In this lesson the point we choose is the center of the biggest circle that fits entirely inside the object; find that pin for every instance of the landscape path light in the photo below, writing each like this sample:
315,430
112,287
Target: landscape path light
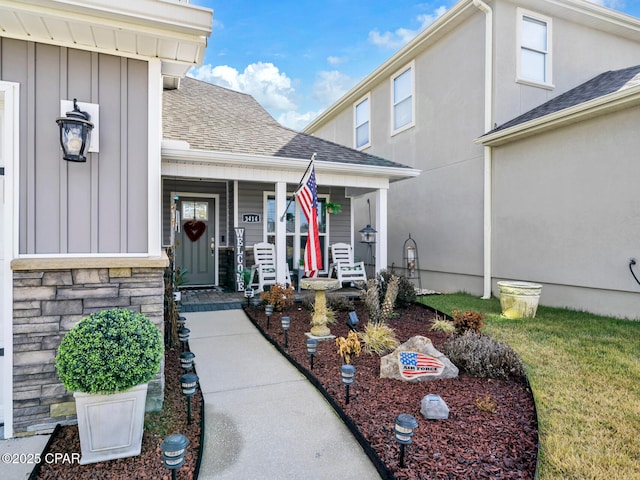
189,384
248,294
268,310
403,432
286,322
348,373
183,336
352,320
186,360
174,449
181,321
312,347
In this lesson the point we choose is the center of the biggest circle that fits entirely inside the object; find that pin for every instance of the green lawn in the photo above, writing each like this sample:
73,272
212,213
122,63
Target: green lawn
584,371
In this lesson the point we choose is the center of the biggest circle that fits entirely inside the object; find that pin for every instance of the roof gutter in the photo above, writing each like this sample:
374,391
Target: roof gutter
488,123
612,102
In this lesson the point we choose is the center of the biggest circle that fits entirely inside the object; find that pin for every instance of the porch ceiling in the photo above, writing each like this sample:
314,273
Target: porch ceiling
175,32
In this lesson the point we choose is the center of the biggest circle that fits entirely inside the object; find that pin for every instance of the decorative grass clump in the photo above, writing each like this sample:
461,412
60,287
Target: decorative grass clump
482,356
109,351
378,338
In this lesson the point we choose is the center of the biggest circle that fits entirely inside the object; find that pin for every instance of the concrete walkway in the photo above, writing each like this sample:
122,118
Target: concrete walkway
264,420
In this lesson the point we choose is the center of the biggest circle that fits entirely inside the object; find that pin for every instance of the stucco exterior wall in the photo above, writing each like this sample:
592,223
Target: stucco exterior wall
100,206
442,208
579,53
566,213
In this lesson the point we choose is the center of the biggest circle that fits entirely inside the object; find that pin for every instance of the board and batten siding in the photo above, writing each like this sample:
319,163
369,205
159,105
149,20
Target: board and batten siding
194,187
100,206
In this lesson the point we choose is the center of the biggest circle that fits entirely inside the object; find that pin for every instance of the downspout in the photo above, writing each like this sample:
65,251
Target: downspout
488,125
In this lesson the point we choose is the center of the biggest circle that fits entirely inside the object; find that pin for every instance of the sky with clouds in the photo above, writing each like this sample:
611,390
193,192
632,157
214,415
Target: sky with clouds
297,57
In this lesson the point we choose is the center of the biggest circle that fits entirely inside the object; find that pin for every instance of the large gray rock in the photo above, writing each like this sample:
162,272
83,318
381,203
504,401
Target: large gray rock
417,360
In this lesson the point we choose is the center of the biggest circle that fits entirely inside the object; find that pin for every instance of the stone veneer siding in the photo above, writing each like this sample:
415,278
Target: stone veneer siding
49,297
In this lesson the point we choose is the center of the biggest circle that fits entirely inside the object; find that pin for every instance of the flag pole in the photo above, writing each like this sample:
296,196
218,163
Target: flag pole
313,157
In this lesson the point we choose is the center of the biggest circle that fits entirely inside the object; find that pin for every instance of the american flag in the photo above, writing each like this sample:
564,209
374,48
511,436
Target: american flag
414,364
308,198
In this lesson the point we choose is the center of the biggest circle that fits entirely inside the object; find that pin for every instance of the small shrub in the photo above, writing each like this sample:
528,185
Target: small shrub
348,347
486,404
444,326
482,356
406,289
279,296
339,303
467,321
378,338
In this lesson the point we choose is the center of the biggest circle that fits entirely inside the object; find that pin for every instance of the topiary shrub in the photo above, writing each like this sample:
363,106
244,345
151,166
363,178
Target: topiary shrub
109,351
482,356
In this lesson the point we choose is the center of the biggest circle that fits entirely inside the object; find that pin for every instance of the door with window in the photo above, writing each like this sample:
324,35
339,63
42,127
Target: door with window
297,231
195,240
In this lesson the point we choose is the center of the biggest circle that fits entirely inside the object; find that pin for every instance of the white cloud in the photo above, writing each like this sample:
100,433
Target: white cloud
332,60
296,121
395,40
263,81
330,86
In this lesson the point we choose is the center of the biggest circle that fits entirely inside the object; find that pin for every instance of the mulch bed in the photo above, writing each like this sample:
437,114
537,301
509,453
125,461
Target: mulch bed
491,432
171,419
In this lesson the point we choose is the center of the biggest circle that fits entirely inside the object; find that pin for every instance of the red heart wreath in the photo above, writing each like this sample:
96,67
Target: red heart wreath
194,229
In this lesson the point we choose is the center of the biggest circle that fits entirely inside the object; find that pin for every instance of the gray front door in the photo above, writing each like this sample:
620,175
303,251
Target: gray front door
195,242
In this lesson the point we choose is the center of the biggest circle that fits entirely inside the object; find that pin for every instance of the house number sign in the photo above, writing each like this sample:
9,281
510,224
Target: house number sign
250,218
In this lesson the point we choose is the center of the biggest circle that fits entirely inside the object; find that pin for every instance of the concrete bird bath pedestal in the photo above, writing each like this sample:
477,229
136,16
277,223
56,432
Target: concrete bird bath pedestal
320,286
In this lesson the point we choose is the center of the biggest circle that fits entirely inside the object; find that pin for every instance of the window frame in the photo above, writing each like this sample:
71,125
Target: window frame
366,98
297,234
411,66
548,53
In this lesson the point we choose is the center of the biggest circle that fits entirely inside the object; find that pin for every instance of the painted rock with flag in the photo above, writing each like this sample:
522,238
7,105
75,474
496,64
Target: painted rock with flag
417,360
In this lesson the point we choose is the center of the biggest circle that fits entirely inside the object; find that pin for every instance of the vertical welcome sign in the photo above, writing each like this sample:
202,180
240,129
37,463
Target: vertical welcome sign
239,259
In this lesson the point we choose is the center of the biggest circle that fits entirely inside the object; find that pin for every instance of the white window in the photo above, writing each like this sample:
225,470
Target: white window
297,229
362,117
402,106
534,56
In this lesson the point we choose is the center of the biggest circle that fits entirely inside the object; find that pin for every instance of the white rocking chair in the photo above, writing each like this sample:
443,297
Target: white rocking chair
345,268
263,272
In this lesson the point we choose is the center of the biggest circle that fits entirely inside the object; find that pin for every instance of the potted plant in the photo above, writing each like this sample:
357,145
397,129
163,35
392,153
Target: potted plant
107,360
332,208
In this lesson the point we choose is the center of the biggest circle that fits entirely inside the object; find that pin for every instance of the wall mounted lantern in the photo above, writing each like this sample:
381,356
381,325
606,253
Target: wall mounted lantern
75,134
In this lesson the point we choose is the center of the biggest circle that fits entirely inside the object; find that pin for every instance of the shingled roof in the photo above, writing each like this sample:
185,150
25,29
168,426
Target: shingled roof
604,84
213,118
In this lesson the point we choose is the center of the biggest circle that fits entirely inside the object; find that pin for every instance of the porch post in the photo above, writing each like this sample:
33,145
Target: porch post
381,226
281,233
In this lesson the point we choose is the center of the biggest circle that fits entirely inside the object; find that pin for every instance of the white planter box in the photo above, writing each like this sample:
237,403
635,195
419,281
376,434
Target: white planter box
110,426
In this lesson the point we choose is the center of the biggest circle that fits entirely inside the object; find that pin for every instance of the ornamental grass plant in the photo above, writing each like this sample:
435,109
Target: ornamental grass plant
584,371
